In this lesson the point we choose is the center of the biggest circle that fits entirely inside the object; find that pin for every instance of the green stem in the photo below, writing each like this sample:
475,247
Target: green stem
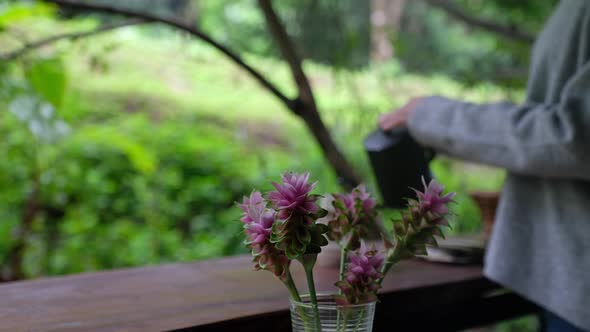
390,261
314,299
343,254
359,319
308,263
344,249
291,286
345,321
394,257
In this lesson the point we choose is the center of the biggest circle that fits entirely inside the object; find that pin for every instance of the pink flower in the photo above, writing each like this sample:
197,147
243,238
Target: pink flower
361,278
347,201
357,204
258,221
432,200
293,195
368,203
259,230
252,207
364,265
420,224
350,216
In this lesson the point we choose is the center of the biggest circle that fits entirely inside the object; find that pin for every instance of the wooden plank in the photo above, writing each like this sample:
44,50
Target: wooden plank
208,294
441,316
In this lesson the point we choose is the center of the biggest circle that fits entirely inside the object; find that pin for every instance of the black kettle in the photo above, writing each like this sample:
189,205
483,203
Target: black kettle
399,163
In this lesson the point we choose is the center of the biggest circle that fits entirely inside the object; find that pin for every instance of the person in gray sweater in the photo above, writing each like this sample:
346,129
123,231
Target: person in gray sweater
540,246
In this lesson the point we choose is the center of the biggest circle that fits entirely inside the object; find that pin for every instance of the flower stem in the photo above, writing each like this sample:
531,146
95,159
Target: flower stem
291,286
343,254
390,261
345,323
344,249
314,299
359,319
308,261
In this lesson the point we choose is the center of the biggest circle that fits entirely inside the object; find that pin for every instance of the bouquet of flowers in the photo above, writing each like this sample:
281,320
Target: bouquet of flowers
282,226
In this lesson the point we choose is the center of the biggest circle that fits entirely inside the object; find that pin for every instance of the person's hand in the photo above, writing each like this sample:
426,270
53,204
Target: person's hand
398,118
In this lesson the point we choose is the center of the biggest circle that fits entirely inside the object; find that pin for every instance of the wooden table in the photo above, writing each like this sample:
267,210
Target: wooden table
226,295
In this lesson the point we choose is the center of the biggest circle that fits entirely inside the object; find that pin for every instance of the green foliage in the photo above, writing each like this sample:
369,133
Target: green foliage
148,192
15,169
337,32
237,23
334,32
21,11
527,15
437,43
141,159
47,77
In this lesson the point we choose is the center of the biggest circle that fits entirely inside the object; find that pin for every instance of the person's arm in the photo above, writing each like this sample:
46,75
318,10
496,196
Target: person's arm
547,140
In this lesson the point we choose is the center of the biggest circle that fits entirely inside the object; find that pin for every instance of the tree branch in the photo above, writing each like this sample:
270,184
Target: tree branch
306,106
29,46
289,53
184,27
511,31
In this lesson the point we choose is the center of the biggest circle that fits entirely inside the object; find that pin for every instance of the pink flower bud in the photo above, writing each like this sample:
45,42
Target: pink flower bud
361,276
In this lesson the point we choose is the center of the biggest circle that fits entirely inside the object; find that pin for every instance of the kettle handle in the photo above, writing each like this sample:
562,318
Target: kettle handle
429,153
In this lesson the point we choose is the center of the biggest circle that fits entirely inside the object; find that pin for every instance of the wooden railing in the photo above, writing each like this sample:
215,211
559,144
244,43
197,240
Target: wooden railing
226,295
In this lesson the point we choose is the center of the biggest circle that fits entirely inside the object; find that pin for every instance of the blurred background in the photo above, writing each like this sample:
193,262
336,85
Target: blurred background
130,147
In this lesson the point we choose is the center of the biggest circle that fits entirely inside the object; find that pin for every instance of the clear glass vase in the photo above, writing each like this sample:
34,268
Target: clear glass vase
333,317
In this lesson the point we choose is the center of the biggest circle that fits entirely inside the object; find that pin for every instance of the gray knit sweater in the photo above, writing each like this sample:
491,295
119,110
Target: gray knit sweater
540,245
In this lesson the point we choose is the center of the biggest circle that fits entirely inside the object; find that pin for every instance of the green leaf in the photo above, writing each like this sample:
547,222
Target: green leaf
313,249
399,229
432,241
48,79
321,213
422,236
318,239
338,204
140,156
18,12
303,235
298,246
274,237
322,228
438,232
292,252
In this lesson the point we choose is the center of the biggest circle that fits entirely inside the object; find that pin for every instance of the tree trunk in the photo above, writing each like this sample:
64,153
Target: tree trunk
305,105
